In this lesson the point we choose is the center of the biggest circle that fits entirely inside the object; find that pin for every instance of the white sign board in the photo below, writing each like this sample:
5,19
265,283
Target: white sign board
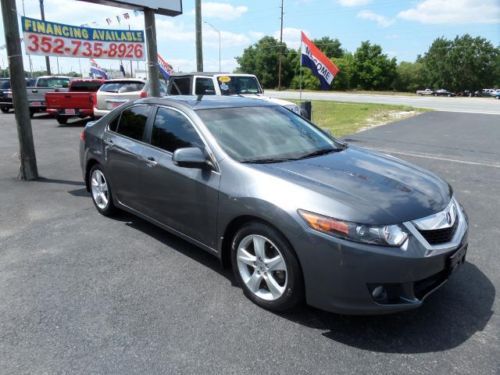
164,7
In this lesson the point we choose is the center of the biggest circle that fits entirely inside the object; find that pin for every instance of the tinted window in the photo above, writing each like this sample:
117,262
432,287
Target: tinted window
121,87
172,130
204,86
5,84
113,125
181,86
85,86
133,121
53,82
231,85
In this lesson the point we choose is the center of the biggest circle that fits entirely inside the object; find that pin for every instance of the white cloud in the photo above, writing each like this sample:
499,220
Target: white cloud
223,11
453,11
382,21
291,36
255,35
353,3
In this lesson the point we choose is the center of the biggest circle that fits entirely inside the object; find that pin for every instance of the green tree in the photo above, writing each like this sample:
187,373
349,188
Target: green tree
343,79
409,76
465,63
330,47
261,59
372,70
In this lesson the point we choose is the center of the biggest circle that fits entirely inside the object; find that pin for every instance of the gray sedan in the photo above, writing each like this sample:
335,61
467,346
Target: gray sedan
297,214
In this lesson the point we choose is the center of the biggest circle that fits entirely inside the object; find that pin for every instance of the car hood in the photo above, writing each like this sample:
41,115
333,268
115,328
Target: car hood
363,186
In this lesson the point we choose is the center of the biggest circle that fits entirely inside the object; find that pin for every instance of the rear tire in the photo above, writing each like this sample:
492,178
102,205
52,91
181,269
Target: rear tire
101,191
5,109
62,120
266,267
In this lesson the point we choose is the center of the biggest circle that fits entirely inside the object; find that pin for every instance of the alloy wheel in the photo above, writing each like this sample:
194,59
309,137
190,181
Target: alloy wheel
100,190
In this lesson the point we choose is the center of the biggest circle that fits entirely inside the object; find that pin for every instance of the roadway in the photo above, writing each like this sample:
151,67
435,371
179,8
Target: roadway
456,104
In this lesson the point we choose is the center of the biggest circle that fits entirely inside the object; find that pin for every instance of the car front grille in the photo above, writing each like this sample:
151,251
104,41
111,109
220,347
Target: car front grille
439,236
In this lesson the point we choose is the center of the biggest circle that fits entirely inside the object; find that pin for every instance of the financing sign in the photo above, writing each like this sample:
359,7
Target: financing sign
55,39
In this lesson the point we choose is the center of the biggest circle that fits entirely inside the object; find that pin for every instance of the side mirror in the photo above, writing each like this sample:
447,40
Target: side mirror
190,157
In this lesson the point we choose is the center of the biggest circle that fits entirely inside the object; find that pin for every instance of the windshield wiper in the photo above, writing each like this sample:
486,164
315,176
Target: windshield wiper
319,152
267,160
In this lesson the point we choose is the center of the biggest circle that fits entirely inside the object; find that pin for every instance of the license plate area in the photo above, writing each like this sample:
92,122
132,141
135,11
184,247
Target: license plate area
70,111
457,259
36,104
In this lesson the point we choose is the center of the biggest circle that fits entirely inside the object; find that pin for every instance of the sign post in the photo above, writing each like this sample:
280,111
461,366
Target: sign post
28,170
153,71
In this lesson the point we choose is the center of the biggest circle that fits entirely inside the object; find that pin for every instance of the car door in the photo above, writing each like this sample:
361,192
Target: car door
185,199
123,141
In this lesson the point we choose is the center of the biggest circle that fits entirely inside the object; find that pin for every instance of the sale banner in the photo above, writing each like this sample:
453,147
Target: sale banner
55,39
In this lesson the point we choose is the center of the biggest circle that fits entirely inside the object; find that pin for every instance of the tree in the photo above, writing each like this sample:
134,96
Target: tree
330,47
343,79
261,59
465,63
372,69
409,76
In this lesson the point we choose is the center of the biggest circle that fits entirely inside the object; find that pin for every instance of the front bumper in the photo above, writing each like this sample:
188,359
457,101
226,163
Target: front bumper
342,276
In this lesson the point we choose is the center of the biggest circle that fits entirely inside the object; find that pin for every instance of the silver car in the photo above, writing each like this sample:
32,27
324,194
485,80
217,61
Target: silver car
297,214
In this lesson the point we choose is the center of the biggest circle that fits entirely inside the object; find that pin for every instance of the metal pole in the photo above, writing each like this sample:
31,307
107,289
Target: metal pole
47,60
131,69
199,37
153,72
280,51
28,169
219,32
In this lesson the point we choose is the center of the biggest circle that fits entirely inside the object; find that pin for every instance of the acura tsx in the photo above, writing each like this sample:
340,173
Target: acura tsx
297,214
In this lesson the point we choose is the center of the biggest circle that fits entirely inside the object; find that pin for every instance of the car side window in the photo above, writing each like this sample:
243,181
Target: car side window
181,86
133,122
172,130
204,86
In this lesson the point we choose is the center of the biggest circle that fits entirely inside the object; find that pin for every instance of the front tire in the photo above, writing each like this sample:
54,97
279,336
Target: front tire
266,267
101,191
62,120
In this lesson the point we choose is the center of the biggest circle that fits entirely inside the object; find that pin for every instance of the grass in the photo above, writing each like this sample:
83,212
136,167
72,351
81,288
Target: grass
347,118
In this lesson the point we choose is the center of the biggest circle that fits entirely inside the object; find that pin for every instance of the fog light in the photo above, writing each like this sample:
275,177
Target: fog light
379,293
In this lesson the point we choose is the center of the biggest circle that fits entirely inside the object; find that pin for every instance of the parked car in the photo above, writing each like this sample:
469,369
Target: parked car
222,84
425,92
443,92
43,85
6,93
497,94
77,102
115,92
296,212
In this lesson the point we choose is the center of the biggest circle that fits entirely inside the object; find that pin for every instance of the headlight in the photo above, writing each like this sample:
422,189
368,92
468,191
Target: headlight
390,235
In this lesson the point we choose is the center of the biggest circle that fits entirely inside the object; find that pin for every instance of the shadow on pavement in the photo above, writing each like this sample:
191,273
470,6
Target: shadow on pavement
57,181
447,319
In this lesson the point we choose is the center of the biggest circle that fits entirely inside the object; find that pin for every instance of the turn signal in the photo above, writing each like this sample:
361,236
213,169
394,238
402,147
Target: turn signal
324,224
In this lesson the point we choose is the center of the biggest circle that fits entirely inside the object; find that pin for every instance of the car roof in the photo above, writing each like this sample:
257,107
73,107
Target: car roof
125,80
209,101
212,74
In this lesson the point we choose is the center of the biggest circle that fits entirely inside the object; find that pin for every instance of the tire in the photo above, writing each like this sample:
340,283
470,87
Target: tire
32,113
101,194
5,109
62,120
276,287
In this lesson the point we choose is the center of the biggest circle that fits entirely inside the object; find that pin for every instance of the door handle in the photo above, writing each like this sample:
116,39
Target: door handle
151,161
108,142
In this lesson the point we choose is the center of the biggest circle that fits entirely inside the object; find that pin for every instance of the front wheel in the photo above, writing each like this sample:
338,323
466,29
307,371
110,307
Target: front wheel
266,267
101,191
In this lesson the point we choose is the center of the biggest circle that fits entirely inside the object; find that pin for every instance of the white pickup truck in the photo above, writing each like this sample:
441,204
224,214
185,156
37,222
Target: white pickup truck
222,84
425,92
43,85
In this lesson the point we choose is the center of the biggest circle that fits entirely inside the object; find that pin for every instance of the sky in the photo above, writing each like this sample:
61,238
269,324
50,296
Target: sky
404,28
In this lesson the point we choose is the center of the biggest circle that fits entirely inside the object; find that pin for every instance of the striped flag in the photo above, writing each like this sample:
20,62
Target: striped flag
166,69
320,65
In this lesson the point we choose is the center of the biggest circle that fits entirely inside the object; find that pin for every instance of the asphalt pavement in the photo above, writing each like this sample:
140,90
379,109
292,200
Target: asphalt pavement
84,294
453,104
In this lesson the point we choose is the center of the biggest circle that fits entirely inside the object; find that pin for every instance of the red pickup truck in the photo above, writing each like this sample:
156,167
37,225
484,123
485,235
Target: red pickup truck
78,101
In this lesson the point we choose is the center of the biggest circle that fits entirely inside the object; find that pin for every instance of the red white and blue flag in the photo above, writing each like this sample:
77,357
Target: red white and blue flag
320,65
166,69
96,71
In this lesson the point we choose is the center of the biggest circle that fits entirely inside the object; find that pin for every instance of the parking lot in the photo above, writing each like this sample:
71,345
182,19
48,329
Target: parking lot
82,293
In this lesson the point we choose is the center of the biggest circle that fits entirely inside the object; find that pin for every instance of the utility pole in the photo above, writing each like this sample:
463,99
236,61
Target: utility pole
153,72
28,169
199,36
47,60
280,52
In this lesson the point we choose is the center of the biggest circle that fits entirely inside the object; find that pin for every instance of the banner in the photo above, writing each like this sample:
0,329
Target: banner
55,39
320,65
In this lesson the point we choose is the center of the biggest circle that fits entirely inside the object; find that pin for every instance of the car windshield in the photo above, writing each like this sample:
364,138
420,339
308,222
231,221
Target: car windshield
234,85
266,134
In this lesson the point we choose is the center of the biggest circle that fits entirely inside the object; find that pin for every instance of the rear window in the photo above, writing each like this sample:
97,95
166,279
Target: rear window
5,84
85,86
53,82
122,87
180,86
